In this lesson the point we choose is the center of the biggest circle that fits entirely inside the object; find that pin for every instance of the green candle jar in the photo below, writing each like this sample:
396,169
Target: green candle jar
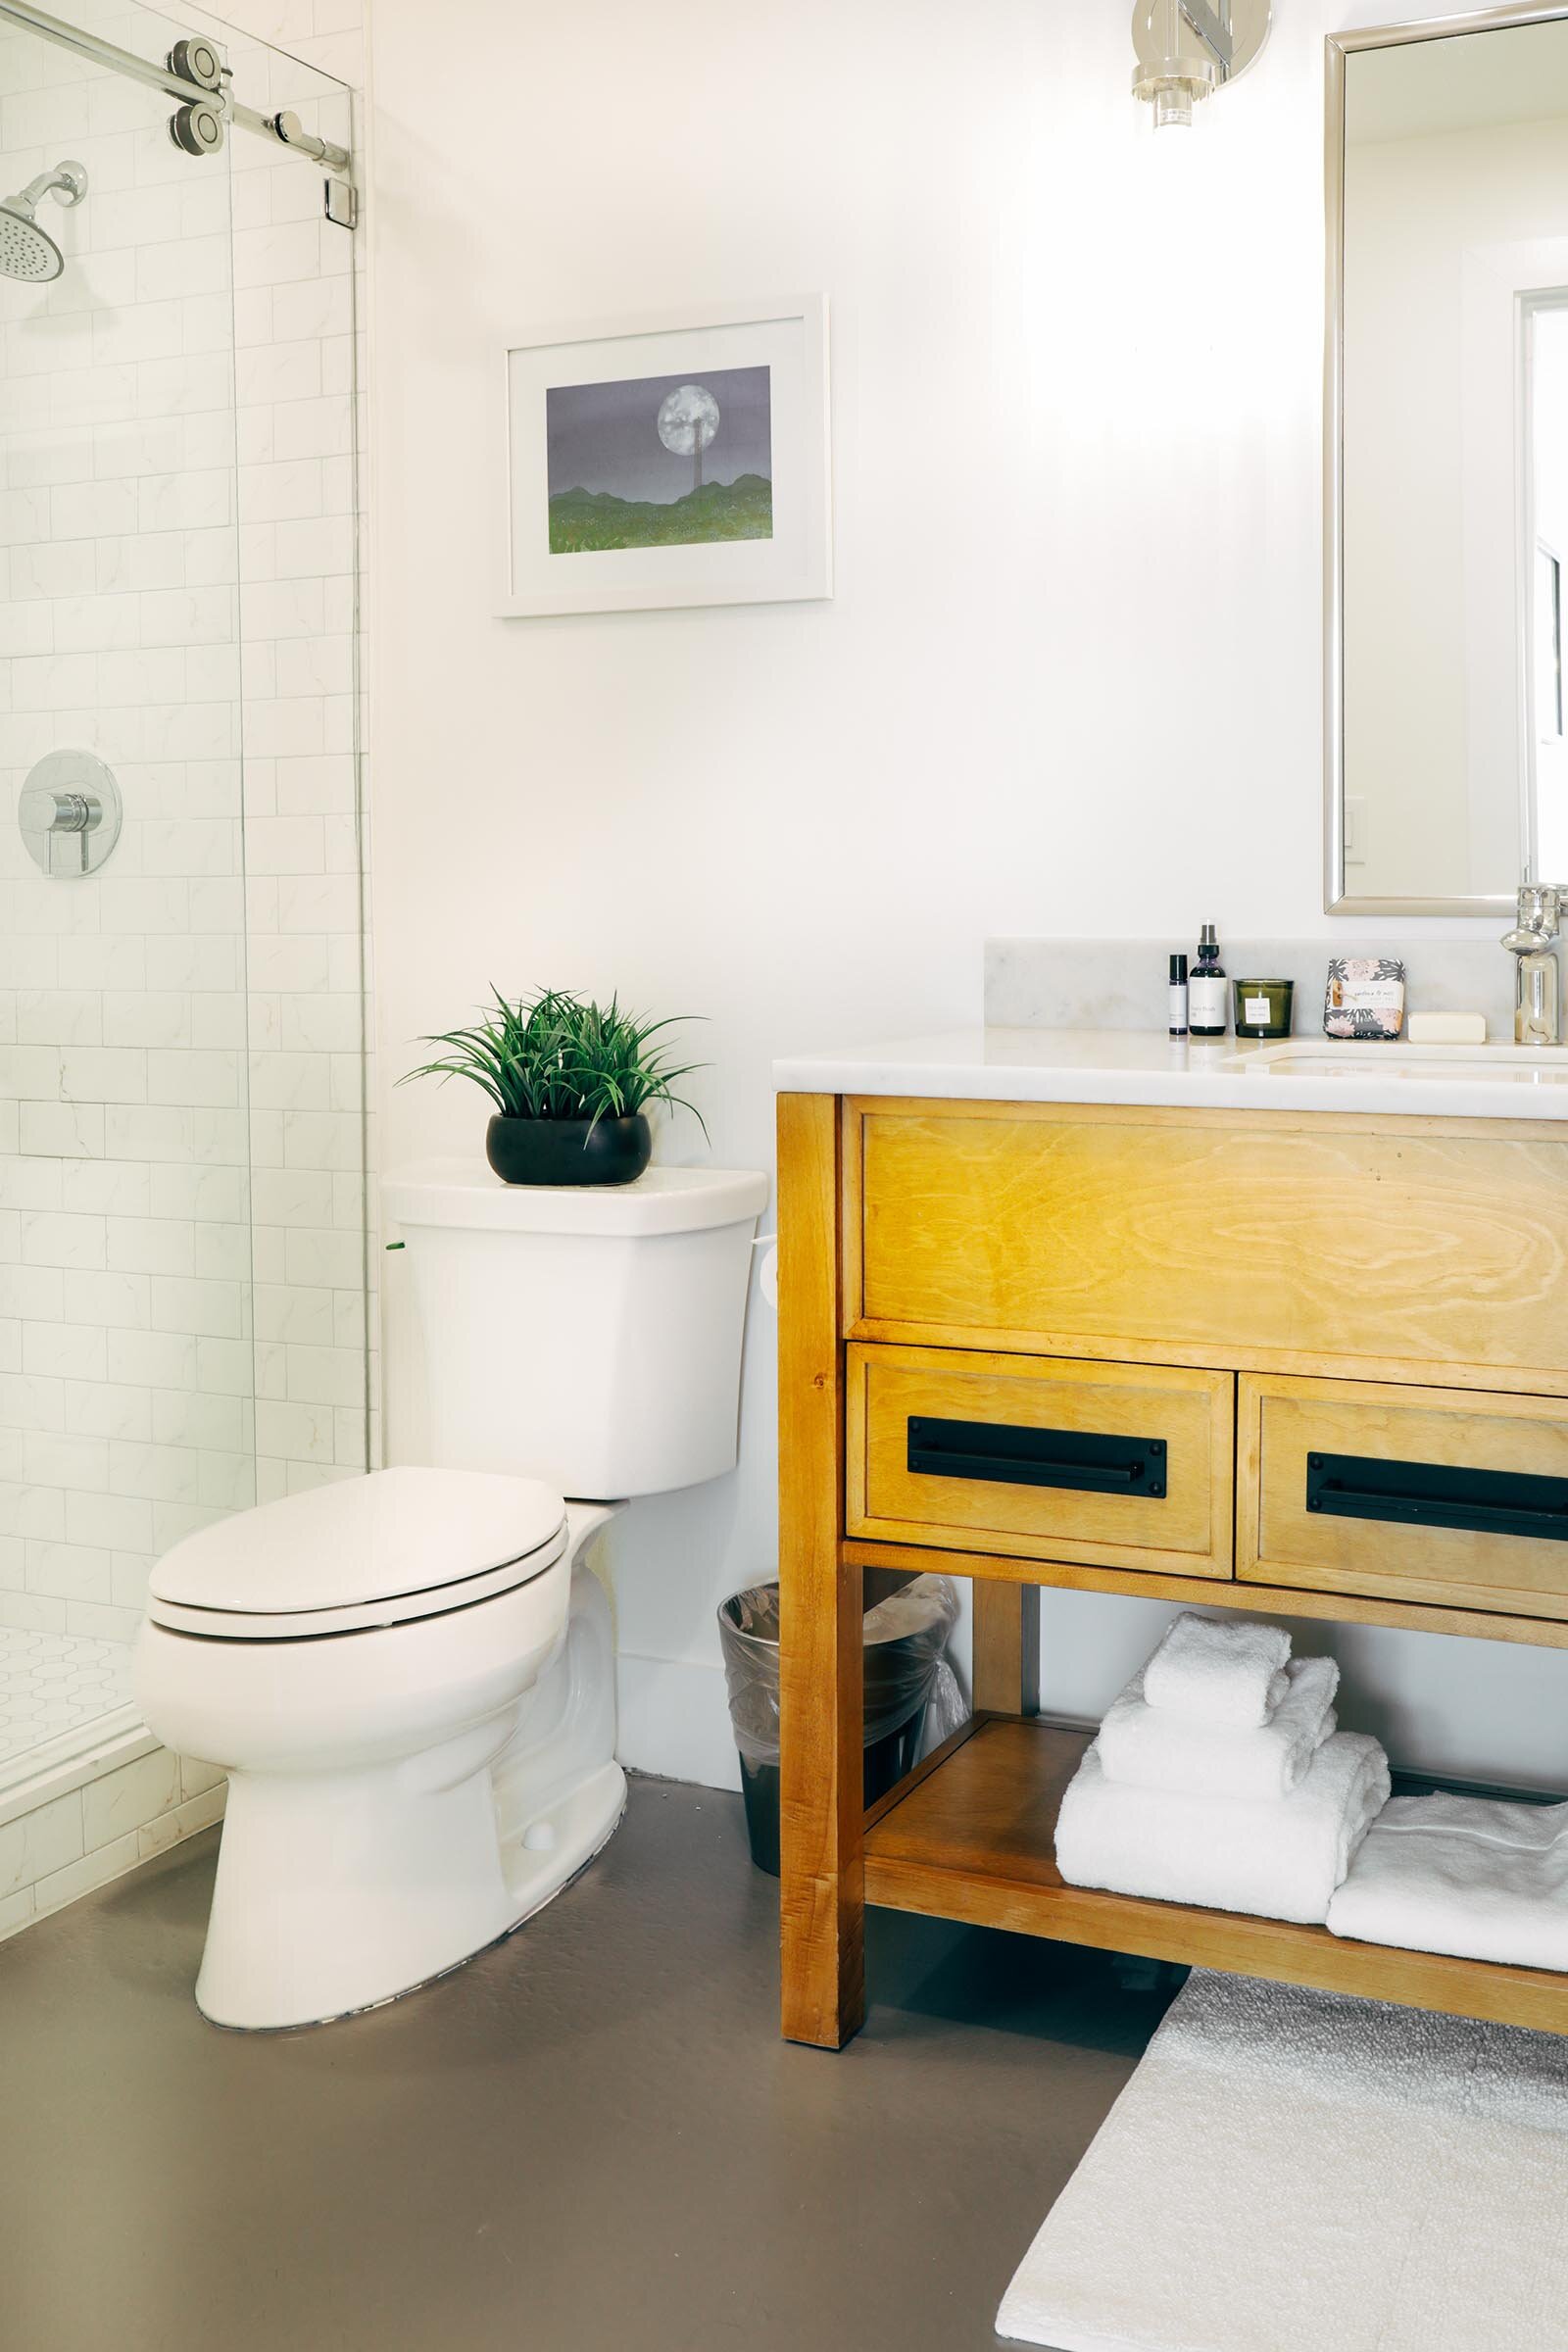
1264,1008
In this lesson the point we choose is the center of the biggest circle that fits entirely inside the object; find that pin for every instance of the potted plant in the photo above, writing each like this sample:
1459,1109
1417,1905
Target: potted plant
569,1080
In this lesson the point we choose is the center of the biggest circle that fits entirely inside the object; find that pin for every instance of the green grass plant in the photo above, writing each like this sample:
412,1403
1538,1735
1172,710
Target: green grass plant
558,1056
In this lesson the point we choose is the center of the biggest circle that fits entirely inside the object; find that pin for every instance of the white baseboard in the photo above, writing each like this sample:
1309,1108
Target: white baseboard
674,1721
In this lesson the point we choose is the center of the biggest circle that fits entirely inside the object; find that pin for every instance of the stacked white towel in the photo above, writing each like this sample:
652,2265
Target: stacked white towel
1154,1747
1220,1778
1228,1673
1485,1879
1279,1860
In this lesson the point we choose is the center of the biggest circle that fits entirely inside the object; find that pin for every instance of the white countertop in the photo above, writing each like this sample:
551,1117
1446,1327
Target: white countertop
1117,1065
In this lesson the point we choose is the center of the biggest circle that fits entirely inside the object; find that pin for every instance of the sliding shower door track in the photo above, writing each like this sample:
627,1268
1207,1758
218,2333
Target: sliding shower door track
283,130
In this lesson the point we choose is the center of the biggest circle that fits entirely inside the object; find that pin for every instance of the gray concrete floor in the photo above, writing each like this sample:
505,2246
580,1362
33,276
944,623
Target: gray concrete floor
591,2139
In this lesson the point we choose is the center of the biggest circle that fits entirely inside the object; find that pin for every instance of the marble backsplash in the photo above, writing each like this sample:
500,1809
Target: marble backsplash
1121,984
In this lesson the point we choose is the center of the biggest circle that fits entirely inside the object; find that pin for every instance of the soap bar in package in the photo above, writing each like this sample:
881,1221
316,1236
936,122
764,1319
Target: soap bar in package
1365,997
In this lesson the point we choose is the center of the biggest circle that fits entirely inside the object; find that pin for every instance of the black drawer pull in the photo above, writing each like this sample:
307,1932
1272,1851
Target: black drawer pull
1011,1456
1492,1502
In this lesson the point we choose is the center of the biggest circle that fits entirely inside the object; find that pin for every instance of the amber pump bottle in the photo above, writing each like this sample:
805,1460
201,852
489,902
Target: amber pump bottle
1205,990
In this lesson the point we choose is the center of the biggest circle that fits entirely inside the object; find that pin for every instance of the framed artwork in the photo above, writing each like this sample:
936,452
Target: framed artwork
669,460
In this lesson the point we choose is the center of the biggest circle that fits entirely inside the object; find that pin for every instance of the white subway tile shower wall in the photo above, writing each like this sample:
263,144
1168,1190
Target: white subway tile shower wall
124,1183
128,531
166,552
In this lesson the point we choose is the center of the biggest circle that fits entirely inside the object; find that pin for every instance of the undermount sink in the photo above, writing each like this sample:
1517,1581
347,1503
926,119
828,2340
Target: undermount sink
1334,1058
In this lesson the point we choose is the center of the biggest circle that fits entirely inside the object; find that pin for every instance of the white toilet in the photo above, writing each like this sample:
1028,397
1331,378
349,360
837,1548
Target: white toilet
409,1676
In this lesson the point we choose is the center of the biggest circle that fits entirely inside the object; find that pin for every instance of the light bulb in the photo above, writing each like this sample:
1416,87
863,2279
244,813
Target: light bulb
1173,103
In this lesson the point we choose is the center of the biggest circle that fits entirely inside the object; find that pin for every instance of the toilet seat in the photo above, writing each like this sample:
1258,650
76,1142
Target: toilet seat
362,1554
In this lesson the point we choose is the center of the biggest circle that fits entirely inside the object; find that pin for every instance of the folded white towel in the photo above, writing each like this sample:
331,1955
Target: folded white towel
1154,1747
1468,1875
1220,1672
1277,1861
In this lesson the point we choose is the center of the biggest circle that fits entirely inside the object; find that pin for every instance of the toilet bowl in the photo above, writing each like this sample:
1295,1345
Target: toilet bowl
408,1677
392,1806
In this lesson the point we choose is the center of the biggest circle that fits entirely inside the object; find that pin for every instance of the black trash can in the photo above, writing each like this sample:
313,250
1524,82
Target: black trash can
905,1642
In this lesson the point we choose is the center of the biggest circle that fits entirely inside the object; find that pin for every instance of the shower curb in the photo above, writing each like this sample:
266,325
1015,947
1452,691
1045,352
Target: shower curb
90,1818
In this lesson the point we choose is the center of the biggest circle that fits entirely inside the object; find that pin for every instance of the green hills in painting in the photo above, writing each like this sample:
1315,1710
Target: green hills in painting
589,521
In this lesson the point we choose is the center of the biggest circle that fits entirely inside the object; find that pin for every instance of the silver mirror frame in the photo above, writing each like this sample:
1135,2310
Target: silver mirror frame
1337,48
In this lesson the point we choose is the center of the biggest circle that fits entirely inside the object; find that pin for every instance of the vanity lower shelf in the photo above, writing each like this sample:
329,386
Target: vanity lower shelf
972,1836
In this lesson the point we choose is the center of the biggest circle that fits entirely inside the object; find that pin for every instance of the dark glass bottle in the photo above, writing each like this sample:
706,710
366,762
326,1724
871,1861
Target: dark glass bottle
1178,996
1205,990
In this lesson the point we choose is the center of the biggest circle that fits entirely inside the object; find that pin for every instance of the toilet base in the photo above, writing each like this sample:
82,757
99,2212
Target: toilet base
338,1893
580,1825
547,1855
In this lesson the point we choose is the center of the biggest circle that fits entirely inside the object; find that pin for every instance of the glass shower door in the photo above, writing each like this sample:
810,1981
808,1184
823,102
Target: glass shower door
164,562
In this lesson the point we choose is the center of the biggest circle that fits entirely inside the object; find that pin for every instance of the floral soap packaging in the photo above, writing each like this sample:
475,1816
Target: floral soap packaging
1364,998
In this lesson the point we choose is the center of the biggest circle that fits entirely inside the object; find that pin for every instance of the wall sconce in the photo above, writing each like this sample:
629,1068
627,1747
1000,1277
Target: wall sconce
1185,49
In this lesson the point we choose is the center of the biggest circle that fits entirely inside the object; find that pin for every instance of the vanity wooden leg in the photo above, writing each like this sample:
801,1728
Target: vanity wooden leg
822,1888
1006,1648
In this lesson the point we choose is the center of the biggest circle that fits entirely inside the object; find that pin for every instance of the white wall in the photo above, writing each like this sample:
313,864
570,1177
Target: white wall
1070,679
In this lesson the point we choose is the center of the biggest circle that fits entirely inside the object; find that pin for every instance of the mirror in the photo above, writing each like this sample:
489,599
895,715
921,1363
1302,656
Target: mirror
1447,464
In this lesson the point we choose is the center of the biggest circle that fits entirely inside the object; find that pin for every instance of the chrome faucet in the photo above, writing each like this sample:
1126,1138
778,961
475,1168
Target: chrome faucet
1538,983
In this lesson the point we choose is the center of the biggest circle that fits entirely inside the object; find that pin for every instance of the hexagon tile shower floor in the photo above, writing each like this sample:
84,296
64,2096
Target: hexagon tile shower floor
49,1682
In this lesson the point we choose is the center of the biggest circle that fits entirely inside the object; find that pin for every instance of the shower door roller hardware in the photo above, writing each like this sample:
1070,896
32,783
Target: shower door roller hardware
198,61
198,130
69,813
200,126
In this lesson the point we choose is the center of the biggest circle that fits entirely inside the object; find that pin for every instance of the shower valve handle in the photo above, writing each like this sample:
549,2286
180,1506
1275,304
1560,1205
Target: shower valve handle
44,812
69,812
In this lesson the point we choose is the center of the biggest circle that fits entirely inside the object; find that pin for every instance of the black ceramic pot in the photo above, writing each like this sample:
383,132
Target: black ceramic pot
568,1150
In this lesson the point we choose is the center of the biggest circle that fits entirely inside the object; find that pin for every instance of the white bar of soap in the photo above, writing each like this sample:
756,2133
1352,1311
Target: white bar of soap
1446,1028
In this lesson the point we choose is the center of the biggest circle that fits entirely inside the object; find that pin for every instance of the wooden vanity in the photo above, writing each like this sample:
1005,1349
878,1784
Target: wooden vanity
1292,1361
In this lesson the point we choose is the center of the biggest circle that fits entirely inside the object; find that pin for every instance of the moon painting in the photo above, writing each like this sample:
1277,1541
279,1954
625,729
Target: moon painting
663,460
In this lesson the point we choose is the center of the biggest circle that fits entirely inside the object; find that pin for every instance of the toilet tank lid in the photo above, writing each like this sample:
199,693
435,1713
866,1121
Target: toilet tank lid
464,1192
361,1539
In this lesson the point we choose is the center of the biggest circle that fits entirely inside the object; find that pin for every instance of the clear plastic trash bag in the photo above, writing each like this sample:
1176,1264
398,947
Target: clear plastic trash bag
907,1664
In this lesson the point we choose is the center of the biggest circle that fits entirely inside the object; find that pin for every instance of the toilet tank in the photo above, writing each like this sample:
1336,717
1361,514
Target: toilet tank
588,1335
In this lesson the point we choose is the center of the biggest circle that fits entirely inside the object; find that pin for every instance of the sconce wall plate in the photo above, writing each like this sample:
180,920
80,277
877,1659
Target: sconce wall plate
1187,49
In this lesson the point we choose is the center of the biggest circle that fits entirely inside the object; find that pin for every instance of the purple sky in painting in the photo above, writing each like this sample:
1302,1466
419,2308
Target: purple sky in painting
605,437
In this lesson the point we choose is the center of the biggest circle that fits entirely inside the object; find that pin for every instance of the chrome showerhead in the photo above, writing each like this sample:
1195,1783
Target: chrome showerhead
26,251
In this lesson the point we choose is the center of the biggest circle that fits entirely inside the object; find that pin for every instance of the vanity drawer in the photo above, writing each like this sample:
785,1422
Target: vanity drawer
1407,1494
1112,1466
1266,1240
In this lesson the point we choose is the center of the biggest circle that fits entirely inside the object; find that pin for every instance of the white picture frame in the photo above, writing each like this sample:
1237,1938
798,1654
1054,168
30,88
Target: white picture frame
781,346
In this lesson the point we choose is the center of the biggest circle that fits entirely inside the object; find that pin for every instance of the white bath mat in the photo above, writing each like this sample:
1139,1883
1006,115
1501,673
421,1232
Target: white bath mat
1302,2171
